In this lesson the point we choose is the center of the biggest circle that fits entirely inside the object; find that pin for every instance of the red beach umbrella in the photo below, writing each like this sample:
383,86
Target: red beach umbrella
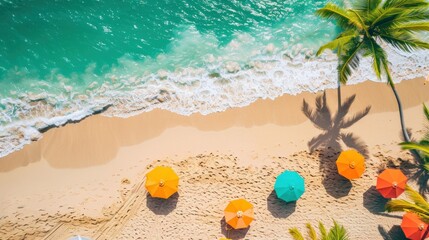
391,183
413,227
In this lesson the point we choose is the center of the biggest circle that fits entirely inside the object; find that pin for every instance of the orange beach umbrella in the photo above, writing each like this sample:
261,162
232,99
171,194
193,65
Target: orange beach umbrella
239,213
391,183
350,164
412,226
162,182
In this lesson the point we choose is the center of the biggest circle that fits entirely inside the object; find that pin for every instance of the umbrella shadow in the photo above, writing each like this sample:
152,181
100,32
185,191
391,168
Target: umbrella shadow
395,233
335,185
279,208
232,233
161,206
329,141
374,202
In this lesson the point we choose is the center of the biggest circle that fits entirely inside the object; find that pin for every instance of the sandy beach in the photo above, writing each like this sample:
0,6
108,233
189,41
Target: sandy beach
88,178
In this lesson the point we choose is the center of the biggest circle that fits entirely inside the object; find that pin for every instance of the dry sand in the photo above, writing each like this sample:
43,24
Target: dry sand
88,178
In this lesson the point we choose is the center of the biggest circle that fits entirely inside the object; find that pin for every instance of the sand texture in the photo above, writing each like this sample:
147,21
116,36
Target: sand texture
88,178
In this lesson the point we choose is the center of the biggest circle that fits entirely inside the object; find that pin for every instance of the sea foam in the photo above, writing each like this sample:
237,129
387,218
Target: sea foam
214,87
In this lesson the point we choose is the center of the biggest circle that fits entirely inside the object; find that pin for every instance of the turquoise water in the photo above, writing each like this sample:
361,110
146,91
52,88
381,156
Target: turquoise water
41,39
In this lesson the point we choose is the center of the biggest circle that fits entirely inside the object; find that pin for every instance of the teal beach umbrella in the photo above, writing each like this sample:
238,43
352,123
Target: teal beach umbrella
289,186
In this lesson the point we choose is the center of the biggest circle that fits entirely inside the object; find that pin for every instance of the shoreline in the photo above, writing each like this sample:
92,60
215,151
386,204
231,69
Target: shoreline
229,117
29,114
86,166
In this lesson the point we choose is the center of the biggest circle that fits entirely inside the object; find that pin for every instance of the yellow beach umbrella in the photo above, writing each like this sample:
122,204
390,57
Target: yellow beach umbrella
351,164
162,182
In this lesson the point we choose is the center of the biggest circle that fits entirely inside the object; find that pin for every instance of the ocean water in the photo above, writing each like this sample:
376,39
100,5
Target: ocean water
63,60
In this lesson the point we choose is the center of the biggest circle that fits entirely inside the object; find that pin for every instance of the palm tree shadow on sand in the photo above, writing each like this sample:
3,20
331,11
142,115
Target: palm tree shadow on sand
328,143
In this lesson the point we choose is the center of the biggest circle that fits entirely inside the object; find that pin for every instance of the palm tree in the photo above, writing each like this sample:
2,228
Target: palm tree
337,232
422,147
369,25
419,206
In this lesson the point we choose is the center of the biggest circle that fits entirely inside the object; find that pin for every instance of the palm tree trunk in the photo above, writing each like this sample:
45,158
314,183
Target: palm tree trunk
339,95
401,117
401,114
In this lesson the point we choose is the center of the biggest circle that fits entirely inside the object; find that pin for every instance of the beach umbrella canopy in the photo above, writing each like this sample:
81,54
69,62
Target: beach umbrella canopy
78,237
351,164
391,183
239,213
289,186
413,227
162,182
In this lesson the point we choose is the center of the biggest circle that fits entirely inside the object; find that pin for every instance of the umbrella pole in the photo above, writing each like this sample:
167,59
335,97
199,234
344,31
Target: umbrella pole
426,233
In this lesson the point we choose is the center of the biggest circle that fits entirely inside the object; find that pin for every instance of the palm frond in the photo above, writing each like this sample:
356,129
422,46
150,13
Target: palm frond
403,40
349,61
323,232
418,199
339,43
415,146
426,166
294,232
405,4
311,232
399,205
424,219
360,18
377,53
344,19
337,232
366,5
413,14
412,26
426,111
406,16
383,16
